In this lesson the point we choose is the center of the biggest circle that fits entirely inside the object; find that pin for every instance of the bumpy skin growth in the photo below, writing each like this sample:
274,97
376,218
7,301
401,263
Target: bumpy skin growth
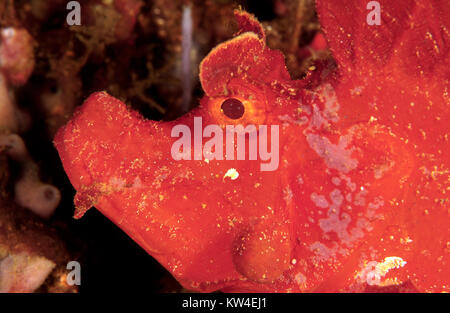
359,196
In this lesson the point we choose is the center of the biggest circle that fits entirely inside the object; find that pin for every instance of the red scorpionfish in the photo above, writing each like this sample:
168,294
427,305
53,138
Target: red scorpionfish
358,197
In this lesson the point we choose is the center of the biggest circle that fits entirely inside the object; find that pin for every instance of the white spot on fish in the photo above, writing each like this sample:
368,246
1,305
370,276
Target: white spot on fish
374,271
232,174
335,156
319,200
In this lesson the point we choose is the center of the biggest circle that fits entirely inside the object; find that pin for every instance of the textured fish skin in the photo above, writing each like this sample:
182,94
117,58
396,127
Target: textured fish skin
360,194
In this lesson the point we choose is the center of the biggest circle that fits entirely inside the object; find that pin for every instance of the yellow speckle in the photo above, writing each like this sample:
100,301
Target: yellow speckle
405,240
424,134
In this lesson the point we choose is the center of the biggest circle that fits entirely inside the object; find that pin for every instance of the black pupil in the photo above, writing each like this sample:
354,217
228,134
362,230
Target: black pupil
233,108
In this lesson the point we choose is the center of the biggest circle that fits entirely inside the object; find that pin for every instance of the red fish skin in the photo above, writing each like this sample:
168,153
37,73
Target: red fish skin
346,185
401,71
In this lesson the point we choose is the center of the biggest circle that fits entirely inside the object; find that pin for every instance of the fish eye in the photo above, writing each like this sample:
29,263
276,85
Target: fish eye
233,108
